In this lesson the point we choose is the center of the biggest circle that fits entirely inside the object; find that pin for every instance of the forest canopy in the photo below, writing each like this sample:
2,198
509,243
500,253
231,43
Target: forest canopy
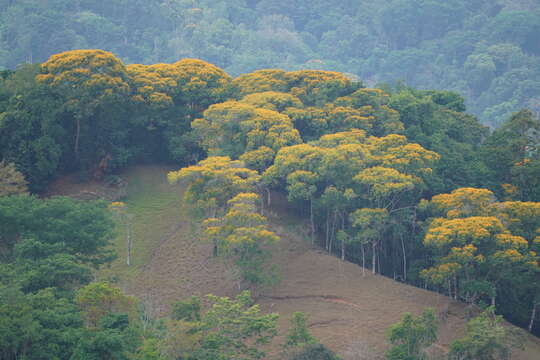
401,181
486,50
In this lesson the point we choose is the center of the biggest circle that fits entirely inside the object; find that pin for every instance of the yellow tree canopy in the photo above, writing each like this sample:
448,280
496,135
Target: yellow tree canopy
373,103
476,230
261,81
188,81
522,218
318,87
242,229
272,100
312,87
213,181
463,202
232,128
85,77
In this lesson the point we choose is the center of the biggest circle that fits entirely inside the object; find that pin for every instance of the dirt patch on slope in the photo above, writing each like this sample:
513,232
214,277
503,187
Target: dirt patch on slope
348,311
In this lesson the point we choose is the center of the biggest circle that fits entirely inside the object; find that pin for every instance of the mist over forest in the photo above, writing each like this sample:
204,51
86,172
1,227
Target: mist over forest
488,51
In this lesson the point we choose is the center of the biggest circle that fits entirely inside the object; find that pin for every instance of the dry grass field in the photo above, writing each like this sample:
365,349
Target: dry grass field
348,310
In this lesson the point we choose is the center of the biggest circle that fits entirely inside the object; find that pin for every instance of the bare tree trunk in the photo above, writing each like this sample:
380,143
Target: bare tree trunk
77,135
312,221
333,232
533,316
129,244
343,238
379,260
404,259
262,204
373,257
327,230
268,197
363,260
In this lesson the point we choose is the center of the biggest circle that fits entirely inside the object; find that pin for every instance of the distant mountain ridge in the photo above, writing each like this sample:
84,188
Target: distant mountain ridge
486,50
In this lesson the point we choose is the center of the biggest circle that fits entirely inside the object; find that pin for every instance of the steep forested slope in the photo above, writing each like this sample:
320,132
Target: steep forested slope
348,309
486,50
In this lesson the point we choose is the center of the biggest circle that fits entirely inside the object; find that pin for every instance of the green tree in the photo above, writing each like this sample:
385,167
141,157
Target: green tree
511,153
214,181
242,234
98,299
411,336
371,224
12,182
486,339
298,335
81,229
228,329
87,80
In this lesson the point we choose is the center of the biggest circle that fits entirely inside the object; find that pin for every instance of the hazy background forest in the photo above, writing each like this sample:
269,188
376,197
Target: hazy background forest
487,50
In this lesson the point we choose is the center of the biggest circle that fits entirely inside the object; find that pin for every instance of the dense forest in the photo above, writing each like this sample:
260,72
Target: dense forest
403,135
488,51
401,181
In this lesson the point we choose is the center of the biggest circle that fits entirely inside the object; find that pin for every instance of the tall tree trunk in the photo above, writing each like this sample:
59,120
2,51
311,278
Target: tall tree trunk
373,257
404,259
77,136
327,230
129,244
333,232
312,221
379,260
363,260
533,316
343,238
268,197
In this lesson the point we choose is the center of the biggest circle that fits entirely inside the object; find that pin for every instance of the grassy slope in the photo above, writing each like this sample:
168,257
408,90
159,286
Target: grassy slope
348,311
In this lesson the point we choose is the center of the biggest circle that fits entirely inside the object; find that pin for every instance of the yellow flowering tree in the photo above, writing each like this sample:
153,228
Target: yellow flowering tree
213,181
167,97
233,128
87,80
242,234
479,250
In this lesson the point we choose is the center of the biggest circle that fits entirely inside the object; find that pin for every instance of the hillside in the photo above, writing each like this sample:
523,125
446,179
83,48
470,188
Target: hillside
348,311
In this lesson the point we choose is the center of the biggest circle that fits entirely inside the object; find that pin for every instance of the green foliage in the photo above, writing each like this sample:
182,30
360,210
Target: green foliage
411,336
298,335
486,339
98,299
56,225
214,181
429,44
313,352
228,329
243,235
47,248
37,326
479,253
12,182
188,310
511,154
